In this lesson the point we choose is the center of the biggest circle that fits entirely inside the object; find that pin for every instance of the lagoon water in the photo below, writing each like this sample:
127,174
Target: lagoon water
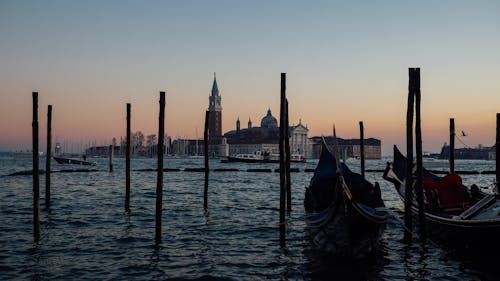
86,235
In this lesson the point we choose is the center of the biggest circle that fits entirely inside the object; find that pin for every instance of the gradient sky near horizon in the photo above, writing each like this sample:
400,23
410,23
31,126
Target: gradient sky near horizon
345,61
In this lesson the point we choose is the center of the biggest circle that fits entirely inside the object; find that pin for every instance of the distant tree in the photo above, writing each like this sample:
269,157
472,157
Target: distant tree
151,144
137,142
138,139
151,140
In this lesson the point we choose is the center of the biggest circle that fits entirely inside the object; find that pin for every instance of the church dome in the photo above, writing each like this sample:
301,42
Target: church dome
269,121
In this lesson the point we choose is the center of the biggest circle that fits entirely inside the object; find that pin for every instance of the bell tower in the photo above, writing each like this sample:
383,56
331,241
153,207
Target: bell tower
215,114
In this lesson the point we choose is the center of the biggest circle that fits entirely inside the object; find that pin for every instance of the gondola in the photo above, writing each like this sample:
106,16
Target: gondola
345,214
63,160
454,214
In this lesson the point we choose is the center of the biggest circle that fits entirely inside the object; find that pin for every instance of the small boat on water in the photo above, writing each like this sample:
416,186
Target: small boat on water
345,214
454,214
297,158
63,160
261,157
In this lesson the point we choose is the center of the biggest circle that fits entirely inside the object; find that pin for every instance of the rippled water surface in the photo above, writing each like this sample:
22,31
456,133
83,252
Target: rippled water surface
86,234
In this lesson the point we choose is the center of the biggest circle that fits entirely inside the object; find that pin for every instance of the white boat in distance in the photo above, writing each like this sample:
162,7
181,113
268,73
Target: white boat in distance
261,157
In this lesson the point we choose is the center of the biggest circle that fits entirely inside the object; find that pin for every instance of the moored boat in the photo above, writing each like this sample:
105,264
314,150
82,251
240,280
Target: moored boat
345,214
463,217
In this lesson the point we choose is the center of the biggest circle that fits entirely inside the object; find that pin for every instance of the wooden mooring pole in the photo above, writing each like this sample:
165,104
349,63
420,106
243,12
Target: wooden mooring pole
362,147
282,158
49,156
205,156
127,163
36,171
409,158
418,150
497,155
287,161
111,152
159,181
452,145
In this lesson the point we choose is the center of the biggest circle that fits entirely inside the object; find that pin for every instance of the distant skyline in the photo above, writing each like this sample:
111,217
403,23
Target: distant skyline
345,62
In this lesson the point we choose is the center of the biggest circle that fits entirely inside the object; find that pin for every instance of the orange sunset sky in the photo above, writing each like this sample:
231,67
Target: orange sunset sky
345,62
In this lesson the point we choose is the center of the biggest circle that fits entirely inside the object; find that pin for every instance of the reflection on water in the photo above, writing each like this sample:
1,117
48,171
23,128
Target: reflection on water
87,235
321,266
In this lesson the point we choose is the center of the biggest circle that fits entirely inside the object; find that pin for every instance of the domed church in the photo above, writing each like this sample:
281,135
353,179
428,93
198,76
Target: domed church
269,121
266,137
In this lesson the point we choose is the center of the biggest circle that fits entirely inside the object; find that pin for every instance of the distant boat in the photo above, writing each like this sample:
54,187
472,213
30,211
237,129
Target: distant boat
62,160
463,217
261,157
256,157
275,158
345,214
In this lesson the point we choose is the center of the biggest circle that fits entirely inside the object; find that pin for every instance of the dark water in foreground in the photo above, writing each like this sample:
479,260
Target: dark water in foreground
86,235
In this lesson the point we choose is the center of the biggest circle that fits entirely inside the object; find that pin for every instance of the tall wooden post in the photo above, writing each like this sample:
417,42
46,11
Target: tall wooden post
362,147
127,163
409,157
497,151
418,149
452,145
111,151
36,171
159,181
49,156
287,161
282,158
205,153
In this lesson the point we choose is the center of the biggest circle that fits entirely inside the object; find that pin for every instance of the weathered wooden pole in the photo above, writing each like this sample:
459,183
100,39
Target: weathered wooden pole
205,153
418,150
409,157
287,161
111,148
362,147
127,163
36,171
452,145
49,156
497,155
282,158
159,181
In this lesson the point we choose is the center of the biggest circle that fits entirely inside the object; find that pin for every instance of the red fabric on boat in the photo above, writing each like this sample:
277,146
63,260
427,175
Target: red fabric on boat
451,192
430,188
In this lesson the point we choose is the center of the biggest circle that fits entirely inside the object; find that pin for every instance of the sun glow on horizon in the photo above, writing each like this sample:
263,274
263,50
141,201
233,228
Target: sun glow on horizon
345,63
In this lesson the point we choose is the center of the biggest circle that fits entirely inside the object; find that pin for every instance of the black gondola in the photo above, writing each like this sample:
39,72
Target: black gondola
63,160
454,214
345,214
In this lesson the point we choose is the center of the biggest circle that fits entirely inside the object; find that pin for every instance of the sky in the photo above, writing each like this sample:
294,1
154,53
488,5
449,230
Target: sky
346,61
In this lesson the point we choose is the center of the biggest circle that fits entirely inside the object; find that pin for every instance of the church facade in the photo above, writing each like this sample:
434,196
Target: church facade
266,137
